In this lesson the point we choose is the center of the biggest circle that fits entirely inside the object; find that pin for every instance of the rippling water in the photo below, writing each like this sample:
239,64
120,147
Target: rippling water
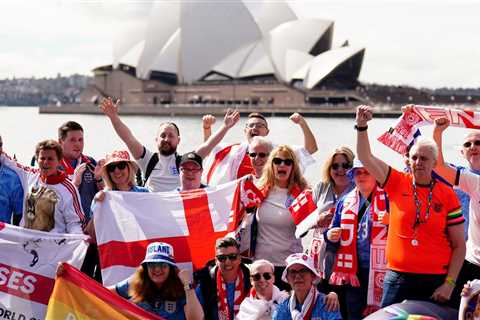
21,128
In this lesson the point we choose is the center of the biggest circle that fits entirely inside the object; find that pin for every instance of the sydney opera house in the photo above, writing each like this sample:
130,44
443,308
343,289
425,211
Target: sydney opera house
234,52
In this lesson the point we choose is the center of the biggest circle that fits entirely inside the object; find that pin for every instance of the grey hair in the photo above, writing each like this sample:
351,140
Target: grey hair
261,141
261,262
427,143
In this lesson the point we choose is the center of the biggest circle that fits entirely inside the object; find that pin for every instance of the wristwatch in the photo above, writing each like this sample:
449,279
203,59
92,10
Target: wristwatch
188,286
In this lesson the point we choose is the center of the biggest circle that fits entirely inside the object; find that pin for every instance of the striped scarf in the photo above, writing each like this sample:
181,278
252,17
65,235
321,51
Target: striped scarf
307,307
346,262
223,309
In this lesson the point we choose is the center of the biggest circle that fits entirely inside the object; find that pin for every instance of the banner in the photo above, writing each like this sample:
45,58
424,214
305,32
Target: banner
28,262
76,296
402,134
191,221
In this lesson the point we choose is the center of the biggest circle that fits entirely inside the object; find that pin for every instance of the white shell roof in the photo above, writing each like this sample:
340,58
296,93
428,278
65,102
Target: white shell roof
162,25
323,64
236,38
299,35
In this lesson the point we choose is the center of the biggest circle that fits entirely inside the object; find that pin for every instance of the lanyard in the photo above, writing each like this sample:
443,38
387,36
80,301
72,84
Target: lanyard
418,204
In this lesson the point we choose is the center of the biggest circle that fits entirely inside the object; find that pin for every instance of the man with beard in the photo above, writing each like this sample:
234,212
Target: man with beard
231,161
162,173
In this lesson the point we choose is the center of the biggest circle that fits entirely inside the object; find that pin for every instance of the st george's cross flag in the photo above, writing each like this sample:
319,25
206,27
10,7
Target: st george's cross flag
28,262
191,221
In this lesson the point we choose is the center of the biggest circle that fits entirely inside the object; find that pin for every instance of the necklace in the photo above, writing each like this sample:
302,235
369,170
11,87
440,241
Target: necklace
417,223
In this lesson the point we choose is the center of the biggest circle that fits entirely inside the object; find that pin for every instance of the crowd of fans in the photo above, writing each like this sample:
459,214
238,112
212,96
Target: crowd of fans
364,207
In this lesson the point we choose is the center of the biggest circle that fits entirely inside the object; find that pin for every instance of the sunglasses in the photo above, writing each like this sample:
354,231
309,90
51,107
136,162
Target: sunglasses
162,265
224,257
278,161
120,165
468,144
260,154
257,276
301,272
344,165
256,125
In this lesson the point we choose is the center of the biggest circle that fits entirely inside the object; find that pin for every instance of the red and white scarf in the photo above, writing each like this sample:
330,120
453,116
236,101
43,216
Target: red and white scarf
346,262
67,165
406,128
223,309
307,307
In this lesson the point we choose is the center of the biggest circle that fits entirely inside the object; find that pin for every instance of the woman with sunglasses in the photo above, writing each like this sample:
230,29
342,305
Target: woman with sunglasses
160,287
264,295
305,301
118,174
281,182
333,185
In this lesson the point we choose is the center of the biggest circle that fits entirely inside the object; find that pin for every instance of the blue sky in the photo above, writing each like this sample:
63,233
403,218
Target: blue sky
424,43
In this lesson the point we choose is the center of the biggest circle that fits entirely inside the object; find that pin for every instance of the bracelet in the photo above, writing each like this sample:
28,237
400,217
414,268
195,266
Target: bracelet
188,286
360,128
450,281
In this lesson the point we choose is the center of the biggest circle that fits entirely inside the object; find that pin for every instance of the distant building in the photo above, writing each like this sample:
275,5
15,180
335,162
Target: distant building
228,52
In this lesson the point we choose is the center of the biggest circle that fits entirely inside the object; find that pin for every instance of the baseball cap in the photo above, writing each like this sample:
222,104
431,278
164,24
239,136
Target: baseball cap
193,157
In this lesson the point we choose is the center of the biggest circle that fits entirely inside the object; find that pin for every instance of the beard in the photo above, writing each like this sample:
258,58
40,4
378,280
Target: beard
167,149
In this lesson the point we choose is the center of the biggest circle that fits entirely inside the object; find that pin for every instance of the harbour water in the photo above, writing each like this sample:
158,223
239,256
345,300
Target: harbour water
22,127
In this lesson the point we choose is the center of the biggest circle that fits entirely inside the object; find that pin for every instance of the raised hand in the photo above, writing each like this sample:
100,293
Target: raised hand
297,118
231,118
109,107
363,115
441,124
208,121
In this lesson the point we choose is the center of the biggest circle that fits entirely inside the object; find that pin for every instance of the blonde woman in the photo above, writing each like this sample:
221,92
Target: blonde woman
281,182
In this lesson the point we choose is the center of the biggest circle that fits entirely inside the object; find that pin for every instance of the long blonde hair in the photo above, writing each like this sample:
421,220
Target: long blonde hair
344,151
132,171
267,180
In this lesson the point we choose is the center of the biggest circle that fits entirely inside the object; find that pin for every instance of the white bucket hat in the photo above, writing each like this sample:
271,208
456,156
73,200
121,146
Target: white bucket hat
299,258
159,252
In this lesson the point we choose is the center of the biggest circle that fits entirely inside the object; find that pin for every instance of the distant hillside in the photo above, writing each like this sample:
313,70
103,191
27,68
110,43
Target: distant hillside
66,90
42,91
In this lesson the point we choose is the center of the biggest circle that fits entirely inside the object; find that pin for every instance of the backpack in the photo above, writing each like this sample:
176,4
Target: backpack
151,164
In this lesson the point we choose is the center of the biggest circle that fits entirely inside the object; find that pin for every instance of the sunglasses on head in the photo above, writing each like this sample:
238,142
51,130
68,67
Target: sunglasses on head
468,144
278,161
120,165
256,125
259,154
224,257
257,276
344,165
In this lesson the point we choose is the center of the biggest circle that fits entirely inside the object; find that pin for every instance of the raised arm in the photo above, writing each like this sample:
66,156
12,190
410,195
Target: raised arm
375,166
310,143
444,170
111,111
230,119
207,122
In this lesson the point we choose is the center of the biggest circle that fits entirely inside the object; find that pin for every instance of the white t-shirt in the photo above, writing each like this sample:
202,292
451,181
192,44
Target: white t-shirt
470,184
164,176
276,229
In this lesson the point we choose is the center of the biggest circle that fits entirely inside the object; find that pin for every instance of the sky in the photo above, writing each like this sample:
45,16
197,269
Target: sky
422,43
